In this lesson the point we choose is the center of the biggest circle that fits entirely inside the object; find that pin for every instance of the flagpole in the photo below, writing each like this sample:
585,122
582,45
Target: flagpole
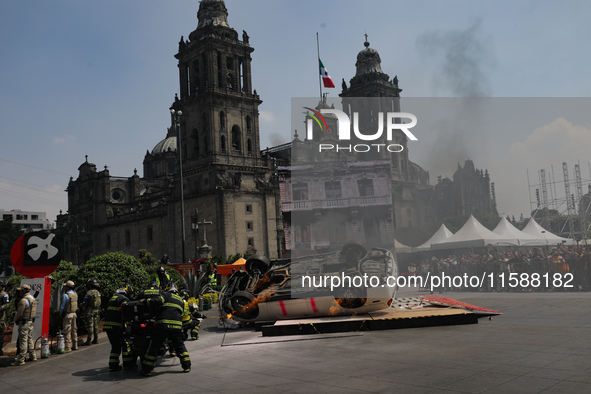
319,76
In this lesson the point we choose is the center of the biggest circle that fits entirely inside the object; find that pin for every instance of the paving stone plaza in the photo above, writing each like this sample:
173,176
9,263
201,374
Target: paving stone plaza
541,343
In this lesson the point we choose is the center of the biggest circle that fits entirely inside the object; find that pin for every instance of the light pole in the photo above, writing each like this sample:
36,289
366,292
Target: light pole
195,228
176,121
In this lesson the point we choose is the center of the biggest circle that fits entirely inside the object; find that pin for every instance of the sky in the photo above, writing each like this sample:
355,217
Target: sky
97,78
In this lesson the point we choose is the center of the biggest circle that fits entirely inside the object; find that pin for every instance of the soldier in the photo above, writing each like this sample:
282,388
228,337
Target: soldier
91,305
4,304
68,309
24,318
168,325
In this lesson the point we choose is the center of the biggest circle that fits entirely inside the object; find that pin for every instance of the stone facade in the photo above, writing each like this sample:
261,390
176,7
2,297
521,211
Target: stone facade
225,177
468,193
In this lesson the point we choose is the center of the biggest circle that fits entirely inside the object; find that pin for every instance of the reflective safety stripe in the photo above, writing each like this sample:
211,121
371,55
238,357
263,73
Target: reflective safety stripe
173,322
112,323
174,305
113,308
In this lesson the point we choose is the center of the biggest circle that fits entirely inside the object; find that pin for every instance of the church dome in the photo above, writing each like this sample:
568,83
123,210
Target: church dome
368,61
167,144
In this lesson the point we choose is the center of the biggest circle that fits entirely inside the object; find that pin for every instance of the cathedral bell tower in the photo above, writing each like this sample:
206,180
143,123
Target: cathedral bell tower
220,109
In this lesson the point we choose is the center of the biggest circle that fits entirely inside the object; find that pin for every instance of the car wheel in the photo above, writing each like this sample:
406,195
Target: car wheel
244,305
351,297
257,263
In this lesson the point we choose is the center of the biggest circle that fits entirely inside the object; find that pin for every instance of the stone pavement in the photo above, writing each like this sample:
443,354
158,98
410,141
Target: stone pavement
542,343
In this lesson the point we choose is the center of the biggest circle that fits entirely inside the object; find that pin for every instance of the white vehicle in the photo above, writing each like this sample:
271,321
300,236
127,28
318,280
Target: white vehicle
301,287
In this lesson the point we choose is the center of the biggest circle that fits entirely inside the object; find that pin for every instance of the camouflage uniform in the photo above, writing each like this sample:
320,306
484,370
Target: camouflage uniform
91,314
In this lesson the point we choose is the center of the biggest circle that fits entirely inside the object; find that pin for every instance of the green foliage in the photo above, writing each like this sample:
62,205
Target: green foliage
13,283
146,258
111,270
212,298
64,272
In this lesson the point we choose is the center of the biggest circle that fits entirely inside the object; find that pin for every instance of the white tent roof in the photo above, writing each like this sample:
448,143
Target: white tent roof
533,228
440,235
473,235
401,248
506,230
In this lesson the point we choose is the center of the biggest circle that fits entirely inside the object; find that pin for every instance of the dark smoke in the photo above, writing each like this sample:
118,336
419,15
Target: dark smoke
463,59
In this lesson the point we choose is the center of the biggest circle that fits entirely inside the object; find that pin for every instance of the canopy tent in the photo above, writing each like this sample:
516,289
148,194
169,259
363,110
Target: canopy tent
506,230
533,228
401,248
473,235
440,235
226,269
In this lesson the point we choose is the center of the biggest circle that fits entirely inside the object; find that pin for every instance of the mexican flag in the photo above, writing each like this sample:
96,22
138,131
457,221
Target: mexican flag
326,79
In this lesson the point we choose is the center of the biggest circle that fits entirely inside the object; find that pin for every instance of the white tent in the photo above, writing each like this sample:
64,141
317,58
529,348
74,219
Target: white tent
440,235
473,235
533,228
401,248
506,230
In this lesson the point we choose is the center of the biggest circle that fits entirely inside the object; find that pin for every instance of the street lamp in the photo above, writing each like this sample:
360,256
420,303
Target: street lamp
195,228
176,121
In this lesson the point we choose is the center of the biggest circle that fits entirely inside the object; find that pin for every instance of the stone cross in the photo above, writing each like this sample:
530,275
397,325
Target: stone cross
204,223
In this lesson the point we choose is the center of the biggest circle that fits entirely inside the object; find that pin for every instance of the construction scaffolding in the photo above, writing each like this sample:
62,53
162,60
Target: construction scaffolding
568,214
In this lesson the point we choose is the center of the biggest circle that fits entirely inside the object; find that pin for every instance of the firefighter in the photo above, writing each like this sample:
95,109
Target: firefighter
162,278
153,290
24,318
91,305
168,325
4,304
114,327
68,309
191,318
213,280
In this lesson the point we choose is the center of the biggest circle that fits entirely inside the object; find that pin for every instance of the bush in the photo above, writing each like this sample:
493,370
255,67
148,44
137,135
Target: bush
212,297
64,272
111,270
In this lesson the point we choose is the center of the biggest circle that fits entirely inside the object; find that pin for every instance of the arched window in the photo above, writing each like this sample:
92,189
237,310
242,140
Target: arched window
222,120
249,145
236,143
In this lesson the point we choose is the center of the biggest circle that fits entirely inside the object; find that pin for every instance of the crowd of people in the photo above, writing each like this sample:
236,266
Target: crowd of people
571,263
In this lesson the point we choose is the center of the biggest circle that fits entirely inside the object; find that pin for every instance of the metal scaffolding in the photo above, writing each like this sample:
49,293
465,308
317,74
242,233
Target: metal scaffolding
568,214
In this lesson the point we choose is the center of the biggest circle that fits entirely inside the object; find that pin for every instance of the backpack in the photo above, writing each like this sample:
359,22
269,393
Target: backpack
96,301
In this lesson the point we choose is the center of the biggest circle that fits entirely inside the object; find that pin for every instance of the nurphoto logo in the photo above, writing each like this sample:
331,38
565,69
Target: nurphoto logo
392,121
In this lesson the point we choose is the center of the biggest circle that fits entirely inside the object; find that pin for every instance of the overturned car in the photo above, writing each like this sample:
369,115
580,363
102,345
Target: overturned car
350,281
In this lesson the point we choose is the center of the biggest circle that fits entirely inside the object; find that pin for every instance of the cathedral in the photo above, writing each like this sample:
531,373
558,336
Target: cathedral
207,189
213,196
